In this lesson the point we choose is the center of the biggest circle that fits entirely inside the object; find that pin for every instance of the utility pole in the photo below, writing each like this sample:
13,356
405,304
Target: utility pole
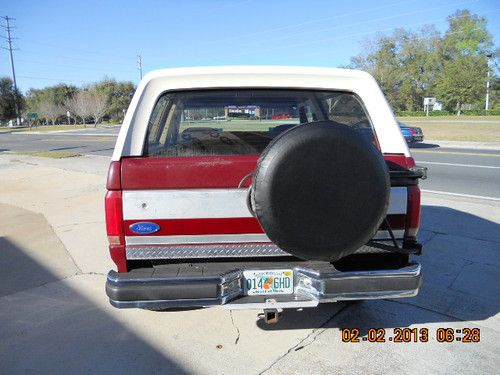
139,65
10,49
487,106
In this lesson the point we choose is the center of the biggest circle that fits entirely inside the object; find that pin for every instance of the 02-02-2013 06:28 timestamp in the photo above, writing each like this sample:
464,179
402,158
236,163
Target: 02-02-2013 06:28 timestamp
406,335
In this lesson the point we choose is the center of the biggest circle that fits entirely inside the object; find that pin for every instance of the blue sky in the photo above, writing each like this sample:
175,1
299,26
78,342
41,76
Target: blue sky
81,42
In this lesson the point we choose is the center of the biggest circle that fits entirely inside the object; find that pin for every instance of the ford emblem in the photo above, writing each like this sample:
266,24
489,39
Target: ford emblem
144,227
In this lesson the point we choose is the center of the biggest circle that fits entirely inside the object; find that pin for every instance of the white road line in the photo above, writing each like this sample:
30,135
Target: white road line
458,165
67,133
461,195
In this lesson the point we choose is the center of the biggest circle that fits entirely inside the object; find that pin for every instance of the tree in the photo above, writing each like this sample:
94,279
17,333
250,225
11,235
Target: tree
49,110
411,65
466,35
462,81
8,98
98,105
118,96
80,104
56,95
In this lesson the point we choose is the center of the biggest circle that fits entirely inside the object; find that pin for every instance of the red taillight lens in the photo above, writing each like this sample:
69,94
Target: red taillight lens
412,131
114,217
413,211
114,176
114,229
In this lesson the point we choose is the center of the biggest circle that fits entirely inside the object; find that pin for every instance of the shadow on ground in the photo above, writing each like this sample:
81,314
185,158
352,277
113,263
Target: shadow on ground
423,145
48,326
461,269
66,148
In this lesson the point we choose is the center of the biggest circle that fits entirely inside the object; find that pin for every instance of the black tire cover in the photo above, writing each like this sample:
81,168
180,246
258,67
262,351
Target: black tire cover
320,190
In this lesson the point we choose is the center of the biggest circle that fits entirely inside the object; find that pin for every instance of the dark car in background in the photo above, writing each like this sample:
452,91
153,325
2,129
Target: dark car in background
412,134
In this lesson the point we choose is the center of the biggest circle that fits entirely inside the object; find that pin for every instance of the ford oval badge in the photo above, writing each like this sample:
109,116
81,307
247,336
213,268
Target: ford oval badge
144,227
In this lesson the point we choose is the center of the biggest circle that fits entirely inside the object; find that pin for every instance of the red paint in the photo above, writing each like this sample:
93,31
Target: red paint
398,161
114,178
170,227
197,172
119,256
413,212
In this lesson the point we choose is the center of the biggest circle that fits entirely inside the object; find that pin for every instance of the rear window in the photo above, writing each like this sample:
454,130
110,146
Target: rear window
243,121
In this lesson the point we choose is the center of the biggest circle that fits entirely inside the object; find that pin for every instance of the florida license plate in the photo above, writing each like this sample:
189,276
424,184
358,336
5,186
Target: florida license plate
268,282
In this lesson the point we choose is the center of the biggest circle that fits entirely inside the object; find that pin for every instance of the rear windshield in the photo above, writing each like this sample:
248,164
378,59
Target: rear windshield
243,121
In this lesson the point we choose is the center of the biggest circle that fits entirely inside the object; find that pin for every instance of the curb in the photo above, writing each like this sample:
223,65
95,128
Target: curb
458,144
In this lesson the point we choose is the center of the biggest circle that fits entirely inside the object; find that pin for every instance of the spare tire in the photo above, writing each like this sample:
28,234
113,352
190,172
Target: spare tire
320,190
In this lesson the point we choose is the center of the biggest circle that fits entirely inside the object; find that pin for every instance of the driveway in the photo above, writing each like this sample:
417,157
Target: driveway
56,318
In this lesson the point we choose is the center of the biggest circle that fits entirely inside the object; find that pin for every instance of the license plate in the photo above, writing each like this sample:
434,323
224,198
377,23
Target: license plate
268,282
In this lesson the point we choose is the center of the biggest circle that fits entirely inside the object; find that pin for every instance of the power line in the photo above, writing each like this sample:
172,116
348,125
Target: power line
10,49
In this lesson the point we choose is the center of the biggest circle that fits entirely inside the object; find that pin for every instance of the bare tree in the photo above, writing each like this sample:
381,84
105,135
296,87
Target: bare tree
99,105
71,105
80,105
50,111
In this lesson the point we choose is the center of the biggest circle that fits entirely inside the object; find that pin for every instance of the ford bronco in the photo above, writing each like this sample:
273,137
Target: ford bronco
260,187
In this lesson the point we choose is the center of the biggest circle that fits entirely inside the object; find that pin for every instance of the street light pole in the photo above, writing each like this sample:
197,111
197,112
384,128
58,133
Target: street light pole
487,106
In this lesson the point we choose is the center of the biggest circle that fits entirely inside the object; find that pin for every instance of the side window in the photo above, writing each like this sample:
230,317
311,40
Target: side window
156,124
346,109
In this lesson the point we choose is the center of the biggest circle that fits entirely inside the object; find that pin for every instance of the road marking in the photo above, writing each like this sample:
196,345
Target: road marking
67,133
461,195
455,153
458,165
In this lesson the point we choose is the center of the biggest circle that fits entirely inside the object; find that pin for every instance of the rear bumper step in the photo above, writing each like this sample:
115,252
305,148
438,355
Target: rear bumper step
215,284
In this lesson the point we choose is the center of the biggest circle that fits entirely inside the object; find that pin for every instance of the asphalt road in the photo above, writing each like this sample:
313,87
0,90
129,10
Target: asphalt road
450,170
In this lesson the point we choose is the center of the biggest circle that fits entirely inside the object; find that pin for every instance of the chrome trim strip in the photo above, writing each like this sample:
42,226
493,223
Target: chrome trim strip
412,270
242,238
197,239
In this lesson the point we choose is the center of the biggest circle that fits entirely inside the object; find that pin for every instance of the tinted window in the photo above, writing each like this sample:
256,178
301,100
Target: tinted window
239,122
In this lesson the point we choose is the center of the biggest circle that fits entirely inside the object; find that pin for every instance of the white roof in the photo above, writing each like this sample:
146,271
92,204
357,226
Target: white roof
132,134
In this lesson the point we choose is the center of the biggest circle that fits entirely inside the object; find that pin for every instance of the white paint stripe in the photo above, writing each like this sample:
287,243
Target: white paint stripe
208,203
185,204
195,239
461,195
457,165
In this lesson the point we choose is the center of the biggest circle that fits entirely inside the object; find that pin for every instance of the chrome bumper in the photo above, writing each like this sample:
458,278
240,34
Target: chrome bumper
312,285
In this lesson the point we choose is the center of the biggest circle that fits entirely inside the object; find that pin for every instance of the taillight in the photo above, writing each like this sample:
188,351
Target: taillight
114,176
413,212
412,131
114,217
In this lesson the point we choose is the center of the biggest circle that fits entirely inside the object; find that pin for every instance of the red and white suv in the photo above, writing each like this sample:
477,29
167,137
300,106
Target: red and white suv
260,187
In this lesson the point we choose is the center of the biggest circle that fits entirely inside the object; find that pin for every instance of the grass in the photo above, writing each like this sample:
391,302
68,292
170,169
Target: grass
45,128
450,128
50,154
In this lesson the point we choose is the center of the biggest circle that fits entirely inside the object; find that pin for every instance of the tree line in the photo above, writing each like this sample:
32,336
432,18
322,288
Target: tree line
411,65
90,104
408,65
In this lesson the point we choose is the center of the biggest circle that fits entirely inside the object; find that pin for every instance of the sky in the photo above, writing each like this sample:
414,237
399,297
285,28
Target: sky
80,42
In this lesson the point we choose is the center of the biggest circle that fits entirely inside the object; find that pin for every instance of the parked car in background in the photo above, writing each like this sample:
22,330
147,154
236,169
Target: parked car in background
412,134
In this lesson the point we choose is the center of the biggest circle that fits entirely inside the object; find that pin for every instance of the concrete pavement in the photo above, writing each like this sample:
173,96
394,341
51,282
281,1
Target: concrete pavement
59,320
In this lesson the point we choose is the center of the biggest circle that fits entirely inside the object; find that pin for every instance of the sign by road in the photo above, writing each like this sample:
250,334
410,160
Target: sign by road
32,115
